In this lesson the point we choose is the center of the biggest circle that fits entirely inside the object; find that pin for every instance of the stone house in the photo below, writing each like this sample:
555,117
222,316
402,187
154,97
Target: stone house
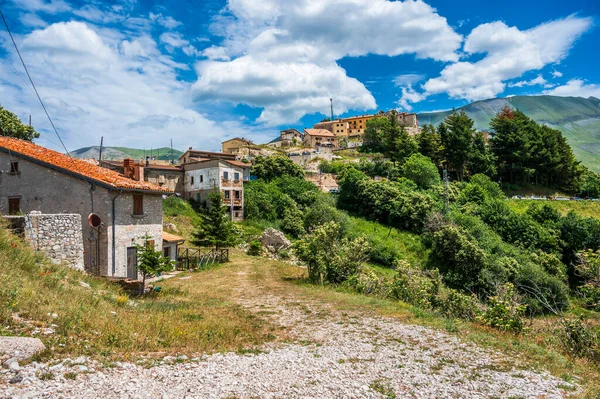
204,177
233,146
34,178
164,175
171,243
320,138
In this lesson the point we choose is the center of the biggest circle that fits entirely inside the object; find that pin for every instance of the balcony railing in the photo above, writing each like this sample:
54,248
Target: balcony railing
231,183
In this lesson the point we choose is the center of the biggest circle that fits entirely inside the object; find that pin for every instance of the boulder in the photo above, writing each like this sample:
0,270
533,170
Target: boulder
274,240
20,348
171,226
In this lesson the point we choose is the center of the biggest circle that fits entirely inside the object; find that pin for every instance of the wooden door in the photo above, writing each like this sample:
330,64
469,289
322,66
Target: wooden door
14,206
132,263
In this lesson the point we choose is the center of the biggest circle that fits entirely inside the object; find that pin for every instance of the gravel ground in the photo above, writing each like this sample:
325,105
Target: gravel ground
331,355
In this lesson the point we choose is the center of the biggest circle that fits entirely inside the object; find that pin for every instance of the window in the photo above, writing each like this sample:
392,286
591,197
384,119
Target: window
201,178
138,205
14,167
227,194
236,176
14,206
225,175
167,252
192,180
237,194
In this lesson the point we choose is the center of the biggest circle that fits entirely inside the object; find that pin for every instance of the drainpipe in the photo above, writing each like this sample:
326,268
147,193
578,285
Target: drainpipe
114,229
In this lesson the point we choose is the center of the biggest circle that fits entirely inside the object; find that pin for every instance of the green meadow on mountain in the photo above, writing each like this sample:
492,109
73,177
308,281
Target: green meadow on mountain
116,153
576,117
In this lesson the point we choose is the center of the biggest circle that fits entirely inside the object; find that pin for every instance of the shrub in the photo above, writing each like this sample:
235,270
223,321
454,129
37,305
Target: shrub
588,268
323,211
369,283
269,168
329,257
504,312
541,292
255,248
491,188
421,170
292,222
455,304
458,257
414,286
580,340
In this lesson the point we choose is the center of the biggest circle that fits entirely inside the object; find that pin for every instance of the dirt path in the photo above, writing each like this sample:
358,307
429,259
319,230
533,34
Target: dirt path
325,353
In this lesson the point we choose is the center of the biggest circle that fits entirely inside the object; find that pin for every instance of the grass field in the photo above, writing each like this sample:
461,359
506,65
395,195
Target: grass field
583,208
187,316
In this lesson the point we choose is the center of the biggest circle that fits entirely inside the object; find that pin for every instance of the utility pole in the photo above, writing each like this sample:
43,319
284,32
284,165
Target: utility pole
172,160
446,191
29,120
101,143
331,101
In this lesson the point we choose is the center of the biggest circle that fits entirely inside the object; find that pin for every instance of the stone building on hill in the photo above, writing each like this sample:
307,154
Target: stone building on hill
123,207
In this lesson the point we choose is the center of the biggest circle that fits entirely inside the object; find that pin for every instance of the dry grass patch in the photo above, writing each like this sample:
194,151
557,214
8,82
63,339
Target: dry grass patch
187,316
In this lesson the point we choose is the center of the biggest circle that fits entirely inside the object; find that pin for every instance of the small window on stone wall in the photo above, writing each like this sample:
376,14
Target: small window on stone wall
14,167
138,205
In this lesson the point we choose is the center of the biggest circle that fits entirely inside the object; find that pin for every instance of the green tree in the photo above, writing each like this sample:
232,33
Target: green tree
430,143
402,144
421,170
216,228
481,158
151,262
11,126
457,141
269,168
376,133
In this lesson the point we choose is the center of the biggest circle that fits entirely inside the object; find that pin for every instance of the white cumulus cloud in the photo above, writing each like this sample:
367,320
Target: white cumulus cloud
282,56
95,82
576,88
509,53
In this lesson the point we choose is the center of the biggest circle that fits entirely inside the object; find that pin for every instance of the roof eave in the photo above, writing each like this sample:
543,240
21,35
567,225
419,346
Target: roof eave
82,177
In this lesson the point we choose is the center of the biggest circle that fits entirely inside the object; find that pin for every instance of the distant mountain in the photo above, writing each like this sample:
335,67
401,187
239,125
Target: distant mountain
117,153
576,117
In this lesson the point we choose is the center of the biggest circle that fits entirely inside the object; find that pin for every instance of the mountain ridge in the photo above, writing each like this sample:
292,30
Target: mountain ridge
118,153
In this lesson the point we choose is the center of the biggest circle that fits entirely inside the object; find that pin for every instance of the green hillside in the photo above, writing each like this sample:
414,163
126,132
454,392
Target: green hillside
117,153
576,117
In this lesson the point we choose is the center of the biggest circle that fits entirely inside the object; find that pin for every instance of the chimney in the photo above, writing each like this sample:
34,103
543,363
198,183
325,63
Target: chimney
190,148
147,161
138,173
128,166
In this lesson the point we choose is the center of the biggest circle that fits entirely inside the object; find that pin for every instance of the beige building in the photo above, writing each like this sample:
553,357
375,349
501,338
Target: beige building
354,127
233,146
320,138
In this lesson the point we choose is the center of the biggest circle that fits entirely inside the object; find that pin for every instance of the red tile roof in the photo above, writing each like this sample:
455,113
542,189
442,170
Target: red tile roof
77,167
319,132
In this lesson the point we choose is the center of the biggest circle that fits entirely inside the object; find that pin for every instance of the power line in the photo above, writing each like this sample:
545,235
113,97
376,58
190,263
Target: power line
32,84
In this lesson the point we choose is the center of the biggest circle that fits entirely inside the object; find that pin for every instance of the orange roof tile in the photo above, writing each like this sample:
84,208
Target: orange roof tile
168,237
77,167
319,132
238,163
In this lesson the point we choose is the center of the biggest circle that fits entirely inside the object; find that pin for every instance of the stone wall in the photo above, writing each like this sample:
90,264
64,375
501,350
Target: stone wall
58,237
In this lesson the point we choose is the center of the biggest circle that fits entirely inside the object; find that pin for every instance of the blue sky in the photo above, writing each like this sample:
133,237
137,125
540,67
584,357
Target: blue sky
141,73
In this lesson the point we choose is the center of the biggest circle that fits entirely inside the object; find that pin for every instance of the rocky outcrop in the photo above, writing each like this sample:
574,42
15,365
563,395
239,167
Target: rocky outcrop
274,240
14,349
